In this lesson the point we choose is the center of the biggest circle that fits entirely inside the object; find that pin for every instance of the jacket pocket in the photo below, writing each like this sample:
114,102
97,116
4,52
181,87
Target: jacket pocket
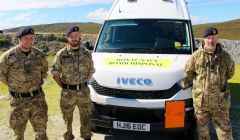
15,102
83,71
201,66
224,100
198,99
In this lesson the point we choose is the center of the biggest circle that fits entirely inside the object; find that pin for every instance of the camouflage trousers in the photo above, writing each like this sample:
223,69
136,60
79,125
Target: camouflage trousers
69,100
33,109
214,107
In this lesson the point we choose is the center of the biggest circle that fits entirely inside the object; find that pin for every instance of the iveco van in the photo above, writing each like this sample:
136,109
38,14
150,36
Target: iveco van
139,57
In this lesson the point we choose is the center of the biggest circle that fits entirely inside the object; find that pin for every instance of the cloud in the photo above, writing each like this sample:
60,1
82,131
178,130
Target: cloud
26,16
18,20
2,14
8,5
8,24
98,14
198,20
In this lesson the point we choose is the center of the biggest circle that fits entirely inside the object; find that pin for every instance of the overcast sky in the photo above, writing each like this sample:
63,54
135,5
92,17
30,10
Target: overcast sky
15,13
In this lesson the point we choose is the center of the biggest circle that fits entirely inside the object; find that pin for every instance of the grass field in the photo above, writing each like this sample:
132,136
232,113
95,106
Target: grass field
227,30
52,92
86,28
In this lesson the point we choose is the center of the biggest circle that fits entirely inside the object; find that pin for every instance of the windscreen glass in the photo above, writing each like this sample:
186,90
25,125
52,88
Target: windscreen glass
145,36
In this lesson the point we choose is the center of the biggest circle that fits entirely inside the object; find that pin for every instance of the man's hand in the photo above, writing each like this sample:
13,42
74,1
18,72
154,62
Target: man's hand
90,76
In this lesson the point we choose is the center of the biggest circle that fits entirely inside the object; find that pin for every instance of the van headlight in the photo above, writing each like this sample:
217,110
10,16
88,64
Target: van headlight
180,83
183,84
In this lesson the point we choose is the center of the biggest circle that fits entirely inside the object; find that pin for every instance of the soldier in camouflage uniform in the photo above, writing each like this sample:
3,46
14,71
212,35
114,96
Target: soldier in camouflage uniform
208,70
22,69
73,67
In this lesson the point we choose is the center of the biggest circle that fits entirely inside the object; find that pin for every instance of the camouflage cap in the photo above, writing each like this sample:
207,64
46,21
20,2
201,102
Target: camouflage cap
24,31
210,31
72,29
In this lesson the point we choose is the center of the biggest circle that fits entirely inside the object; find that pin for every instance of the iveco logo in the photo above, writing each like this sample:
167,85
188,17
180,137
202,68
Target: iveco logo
134,81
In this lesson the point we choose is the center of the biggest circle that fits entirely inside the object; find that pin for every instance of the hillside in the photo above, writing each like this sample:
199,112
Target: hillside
227,30
86,28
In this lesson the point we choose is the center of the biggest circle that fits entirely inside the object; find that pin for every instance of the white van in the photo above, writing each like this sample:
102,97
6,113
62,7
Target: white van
139,57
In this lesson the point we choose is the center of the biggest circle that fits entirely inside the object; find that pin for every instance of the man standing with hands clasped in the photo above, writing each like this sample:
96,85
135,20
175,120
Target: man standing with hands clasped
73,67
22,69
208,70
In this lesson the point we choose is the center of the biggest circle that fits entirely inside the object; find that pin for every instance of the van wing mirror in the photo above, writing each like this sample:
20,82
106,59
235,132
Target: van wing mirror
87,45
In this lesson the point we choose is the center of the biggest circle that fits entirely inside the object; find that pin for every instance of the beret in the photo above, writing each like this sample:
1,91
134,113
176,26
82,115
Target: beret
72,29
210,31
24,31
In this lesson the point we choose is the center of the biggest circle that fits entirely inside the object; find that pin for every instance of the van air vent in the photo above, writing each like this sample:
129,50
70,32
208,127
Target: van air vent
168,1
132,0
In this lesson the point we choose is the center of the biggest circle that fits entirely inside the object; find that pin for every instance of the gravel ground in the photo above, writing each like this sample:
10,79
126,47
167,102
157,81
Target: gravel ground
56,128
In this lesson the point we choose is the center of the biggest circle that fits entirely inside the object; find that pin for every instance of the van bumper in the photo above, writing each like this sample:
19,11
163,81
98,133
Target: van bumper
104,115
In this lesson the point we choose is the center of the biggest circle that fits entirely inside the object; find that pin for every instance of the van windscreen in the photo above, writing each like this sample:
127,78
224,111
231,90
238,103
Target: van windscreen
145,36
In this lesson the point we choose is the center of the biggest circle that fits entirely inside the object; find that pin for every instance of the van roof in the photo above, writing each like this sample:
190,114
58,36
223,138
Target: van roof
149,9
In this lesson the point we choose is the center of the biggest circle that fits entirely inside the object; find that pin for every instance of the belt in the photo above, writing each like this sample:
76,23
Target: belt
74,87
28,94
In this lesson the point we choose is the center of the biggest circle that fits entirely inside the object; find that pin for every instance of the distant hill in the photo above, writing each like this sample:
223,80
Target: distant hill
227,30
86,28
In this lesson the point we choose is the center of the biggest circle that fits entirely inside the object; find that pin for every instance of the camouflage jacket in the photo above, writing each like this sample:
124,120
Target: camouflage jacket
209,72
23,73
74,67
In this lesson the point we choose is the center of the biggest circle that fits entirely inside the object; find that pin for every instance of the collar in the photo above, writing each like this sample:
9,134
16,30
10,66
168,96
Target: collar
217,51
69,48
19,49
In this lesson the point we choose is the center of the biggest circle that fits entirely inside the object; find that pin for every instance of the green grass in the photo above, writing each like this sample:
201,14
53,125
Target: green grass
236,77
52,91
86,28
235,84
50,60
4,105
227,30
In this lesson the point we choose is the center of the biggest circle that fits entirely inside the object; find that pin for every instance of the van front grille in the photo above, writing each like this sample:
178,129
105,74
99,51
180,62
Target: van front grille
131,114
135,94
